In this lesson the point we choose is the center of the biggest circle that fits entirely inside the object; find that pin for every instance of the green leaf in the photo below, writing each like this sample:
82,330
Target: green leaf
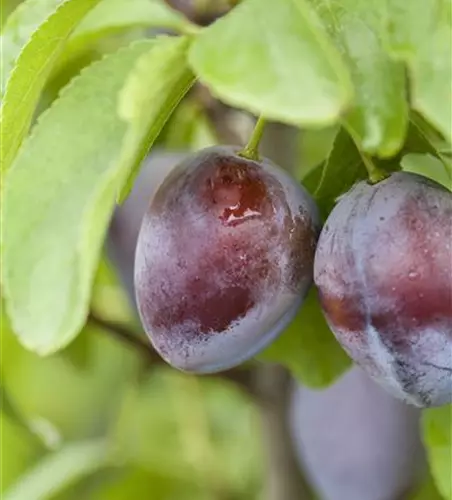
189,129
204,134
343,168
57,471
314,147
136,483
147,432
419,33
379,117
78,351
100,29
337,175
32,68
422,139
155,87
274,58
80,401
17,30
428,166
58,198
108,18
308,347
10,411
429,139
437,428
19,450
7,7
427,491
71,184
114,15
191,429
109,299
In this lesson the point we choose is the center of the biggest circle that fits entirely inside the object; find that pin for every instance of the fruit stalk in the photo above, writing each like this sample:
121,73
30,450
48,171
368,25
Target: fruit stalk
375,174
251,149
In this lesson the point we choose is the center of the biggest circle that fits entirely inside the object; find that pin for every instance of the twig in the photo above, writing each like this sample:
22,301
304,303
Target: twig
127,336
241,376
284,479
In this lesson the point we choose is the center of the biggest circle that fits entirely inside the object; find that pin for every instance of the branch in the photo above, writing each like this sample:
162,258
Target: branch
285,481
241,376
127,336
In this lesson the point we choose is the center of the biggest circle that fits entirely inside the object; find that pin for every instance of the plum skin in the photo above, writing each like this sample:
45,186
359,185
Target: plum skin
224,259
383,267
126,221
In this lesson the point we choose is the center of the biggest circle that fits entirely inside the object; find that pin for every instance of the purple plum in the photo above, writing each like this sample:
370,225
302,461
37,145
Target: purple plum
224,259
383,267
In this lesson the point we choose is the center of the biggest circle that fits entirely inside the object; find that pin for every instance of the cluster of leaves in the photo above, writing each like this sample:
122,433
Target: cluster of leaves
366,79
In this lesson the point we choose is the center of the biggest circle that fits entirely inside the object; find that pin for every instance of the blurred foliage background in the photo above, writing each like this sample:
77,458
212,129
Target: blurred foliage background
100,421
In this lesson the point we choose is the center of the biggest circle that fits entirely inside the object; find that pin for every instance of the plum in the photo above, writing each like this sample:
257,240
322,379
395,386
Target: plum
383,267
355,441
224,258
126,220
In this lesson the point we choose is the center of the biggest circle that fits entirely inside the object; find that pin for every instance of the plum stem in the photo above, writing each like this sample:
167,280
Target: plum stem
375,173
251,149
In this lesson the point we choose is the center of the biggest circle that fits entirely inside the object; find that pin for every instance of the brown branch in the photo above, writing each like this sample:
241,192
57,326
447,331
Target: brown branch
284,479
126,335
241,376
